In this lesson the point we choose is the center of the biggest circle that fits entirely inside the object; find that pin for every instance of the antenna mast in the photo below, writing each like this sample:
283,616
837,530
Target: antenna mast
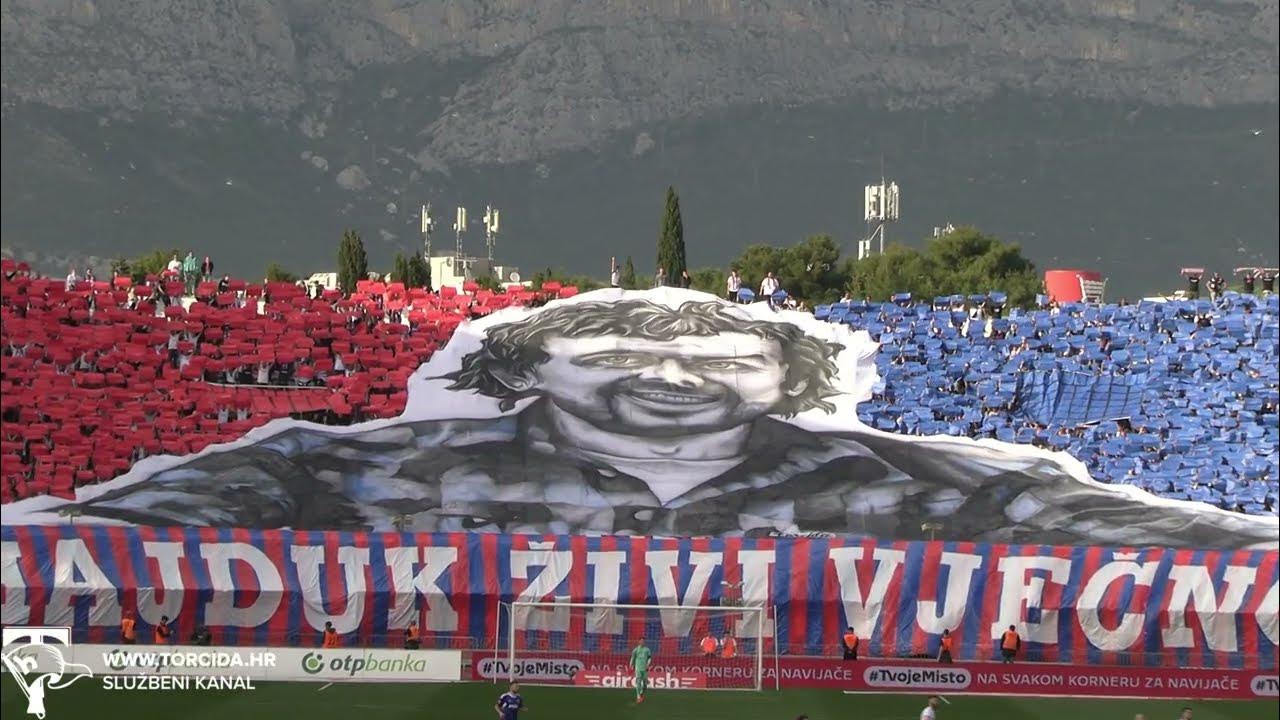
490,229
879,209
459,227
428,227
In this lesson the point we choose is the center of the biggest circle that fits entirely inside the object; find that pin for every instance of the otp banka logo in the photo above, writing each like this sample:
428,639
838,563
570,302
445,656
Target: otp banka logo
312,663
37,659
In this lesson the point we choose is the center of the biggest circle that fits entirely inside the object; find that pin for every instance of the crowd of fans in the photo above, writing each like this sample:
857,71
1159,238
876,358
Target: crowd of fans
771,290
1206,428
96,375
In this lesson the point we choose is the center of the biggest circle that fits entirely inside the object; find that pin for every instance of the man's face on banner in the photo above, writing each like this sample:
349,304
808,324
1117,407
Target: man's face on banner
664,388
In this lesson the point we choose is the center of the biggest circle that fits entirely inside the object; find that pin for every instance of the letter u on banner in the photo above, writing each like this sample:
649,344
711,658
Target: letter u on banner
354,561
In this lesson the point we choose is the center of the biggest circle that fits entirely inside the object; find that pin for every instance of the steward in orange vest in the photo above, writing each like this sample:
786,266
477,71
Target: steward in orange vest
128,629
330,637
708,646
728,648
1010,644
161,631
850,644
944,647
412,641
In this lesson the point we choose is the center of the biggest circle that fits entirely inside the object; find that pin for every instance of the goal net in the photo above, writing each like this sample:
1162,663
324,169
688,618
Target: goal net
587,644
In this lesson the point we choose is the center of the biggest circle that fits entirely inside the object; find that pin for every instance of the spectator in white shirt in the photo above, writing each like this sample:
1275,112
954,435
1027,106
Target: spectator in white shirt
72,279
175,265
733,285
769,286
615,277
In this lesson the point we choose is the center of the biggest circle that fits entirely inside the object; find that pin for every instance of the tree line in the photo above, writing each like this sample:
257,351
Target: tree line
964,261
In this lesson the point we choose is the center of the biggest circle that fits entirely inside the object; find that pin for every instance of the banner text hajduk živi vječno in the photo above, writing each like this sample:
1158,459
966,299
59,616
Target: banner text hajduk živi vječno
1155,606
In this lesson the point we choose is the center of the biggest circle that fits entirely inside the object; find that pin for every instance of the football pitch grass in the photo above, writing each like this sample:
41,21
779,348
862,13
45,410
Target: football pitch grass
315,701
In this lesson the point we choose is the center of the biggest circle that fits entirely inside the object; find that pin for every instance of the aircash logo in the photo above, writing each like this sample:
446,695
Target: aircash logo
37,659
355,664
919,678
1265,685
665,680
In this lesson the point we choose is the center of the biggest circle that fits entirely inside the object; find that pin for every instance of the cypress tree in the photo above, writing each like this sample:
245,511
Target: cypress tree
400,270
628,279
671,255
353,263
417,273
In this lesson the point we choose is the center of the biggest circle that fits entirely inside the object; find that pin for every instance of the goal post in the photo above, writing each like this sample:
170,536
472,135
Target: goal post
590,644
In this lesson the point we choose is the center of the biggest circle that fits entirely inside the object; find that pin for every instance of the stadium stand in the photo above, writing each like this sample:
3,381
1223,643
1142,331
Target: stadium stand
1176,397
99,376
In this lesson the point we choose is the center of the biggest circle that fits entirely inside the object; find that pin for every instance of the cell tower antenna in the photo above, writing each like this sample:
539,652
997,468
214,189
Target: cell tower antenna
428,227
879,209
490,229
459,227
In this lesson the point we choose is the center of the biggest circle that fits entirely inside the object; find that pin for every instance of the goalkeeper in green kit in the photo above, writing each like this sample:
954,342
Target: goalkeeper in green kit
639,664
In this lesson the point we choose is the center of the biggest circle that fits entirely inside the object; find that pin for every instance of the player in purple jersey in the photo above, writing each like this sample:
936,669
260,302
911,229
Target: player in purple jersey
510,703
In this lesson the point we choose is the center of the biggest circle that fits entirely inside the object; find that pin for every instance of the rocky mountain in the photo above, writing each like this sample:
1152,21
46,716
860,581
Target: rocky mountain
261,126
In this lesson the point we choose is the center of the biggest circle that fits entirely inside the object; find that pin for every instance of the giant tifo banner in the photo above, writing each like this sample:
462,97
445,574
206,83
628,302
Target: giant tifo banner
1070,604
659,413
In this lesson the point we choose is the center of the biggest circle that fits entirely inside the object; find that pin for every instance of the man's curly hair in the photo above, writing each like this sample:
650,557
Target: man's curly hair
518,347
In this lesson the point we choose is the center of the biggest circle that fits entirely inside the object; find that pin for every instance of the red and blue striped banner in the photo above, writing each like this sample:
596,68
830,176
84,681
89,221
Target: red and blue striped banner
1070,604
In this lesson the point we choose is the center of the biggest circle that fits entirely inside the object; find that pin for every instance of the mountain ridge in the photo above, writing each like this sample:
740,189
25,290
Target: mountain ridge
257,127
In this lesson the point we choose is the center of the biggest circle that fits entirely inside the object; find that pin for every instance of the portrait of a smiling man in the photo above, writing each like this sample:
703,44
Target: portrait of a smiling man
659,413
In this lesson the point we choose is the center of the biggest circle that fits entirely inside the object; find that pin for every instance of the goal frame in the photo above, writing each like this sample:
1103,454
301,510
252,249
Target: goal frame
756,609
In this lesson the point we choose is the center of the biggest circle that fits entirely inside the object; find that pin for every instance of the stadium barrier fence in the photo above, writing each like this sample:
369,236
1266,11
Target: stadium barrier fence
735,633
254,663
887,676
987,651
556,667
